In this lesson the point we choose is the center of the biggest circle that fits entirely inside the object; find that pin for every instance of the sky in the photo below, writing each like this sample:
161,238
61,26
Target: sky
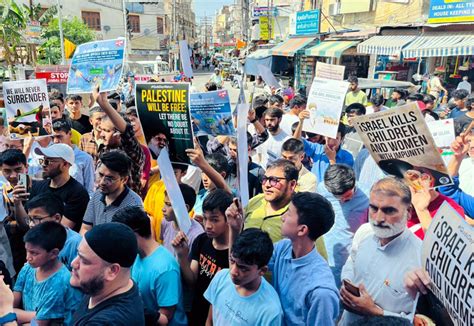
208,7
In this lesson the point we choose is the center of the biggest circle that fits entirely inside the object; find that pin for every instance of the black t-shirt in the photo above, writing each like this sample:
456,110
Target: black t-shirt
461,123
72,193
82,125
124,309
210,262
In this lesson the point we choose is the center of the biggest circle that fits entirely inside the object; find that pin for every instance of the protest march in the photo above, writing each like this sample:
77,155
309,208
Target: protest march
199,200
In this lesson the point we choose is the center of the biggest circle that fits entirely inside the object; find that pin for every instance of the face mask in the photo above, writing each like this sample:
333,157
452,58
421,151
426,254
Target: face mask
386,230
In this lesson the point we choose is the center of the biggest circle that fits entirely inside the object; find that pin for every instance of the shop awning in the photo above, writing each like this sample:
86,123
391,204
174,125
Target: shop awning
330,48
260,54
291,46
385,44
440,45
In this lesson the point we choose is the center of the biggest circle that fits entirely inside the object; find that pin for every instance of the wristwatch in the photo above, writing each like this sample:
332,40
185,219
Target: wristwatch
11,316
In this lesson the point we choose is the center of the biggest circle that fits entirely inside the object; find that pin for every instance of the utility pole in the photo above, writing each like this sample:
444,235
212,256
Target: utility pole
61,34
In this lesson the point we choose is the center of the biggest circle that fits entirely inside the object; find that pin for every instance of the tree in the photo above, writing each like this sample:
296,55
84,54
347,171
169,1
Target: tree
75,30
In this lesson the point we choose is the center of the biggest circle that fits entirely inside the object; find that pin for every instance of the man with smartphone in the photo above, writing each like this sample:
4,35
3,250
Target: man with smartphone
382,252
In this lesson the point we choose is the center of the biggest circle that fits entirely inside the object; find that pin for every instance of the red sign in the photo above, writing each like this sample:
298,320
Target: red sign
142,78
53,77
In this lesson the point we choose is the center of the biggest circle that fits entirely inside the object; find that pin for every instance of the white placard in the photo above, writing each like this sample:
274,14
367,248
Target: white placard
185,58
243,157
328,71
268,76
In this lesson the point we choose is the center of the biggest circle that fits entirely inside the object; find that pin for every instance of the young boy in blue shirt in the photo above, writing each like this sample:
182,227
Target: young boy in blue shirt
42,291
240,295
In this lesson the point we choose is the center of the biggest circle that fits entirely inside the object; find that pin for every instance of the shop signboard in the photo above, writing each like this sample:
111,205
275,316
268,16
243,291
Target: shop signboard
451,11
267,29
307,22
265,11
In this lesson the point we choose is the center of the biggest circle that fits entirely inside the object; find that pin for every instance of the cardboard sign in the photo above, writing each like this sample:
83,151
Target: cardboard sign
27,108
96,63
328,71
448,257
402,145
163,110
211,114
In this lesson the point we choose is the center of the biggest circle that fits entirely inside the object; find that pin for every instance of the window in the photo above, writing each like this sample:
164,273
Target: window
134,23
91,19
159,25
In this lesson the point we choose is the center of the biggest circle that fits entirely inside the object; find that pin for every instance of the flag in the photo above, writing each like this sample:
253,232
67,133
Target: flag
240,44
69,48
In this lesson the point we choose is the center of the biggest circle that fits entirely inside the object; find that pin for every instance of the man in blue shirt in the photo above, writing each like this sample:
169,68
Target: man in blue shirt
459,98
155,271
350,206
324,155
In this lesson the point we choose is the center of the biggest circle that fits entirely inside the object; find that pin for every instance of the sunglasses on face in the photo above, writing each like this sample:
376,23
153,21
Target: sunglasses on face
48,161
272,180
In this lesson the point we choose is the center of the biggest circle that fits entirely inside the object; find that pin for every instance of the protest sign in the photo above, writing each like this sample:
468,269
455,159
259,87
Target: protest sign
27,108
402,145
352,144
174,193
163,110
211,114
447,256
96,63
243,110
443,135
328,71
325,101
185,58
268,76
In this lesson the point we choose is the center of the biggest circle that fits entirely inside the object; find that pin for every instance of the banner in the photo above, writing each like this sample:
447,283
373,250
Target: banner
95,63
211,114
27,108
451,11
266,25
163,110
447,256
402,145
325,101
328,71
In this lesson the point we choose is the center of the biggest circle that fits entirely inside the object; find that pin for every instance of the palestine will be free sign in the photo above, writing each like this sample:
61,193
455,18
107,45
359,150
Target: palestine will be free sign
400,142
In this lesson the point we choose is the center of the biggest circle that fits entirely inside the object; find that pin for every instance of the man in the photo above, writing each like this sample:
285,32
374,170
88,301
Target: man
270,150
293,151
459,97
57,160
102,271
216,78
355,95
465,84
80,122
155,271
384,251
350,206
324,155
397,98
116,133
112,192
90,141
157,143
297,104
436,86
275,102
83,168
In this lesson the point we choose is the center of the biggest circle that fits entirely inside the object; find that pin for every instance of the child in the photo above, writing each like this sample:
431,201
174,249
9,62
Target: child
169,226
240,295
209,253
42,290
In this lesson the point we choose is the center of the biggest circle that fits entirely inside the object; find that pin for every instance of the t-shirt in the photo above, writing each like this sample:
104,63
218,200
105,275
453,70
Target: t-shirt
73,195
52,298
356,97
159,281
124,309
466,175
168,233
261,308
270,150
462,122
287,122
82,125
69,251
210,262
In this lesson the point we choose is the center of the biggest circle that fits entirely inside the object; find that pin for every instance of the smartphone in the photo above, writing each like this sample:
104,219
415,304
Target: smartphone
23,180
354,290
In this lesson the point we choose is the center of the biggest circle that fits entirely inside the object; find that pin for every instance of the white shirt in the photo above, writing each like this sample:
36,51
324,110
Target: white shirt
466,176
465,85
270,150
287,121
381,269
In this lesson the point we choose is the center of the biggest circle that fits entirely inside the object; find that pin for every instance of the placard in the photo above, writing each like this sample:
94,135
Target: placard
242,147
185,58
27,108
268,76
328,71
96,63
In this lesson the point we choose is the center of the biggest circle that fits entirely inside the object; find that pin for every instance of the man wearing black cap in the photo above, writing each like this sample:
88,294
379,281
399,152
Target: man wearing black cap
102,271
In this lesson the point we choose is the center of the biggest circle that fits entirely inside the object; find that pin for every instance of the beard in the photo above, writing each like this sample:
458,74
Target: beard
93,286
385,230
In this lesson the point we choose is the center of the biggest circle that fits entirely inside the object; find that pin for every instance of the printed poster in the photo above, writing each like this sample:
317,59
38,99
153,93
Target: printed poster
27,108
402,145
447,256
163,110
328,71
99,62
443,135
211,114
325,102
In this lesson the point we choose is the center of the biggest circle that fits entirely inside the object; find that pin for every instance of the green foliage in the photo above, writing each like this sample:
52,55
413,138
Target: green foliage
13,20
74,30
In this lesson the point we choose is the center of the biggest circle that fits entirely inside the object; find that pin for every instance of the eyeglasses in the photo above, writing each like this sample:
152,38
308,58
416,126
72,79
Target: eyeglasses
35,220
107,179
48,161
273,180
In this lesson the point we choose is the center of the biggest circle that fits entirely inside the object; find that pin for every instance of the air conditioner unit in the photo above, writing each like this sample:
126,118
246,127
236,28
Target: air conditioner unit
334,9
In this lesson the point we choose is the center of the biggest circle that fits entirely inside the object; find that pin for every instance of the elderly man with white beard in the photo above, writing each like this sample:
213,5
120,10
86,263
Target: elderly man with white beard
382,252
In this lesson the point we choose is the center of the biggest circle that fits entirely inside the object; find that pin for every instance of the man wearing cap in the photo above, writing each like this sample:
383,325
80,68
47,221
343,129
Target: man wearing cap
102,271
216,78
56,161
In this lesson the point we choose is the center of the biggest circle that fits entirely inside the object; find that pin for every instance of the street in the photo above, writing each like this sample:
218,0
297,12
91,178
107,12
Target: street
201,78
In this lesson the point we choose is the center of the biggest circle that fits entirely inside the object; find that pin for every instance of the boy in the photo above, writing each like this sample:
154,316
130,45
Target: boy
169,226
209,253
79,121
42,291
240,295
